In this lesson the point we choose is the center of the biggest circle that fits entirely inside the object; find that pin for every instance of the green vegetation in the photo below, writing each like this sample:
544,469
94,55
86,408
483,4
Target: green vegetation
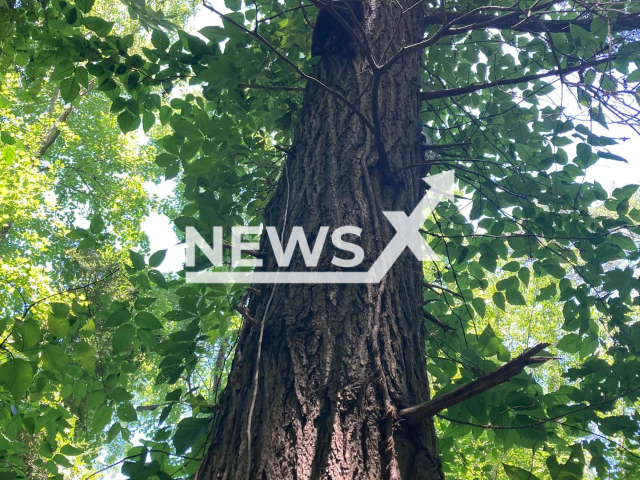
105,359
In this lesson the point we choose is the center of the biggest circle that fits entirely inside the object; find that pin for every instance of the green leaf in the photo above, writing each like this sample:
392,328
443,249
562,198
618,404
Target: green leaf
512,266
85,5
128,122
554,270
514,297
506,283
488,343
156,277
101,418
137,260
60,309
547,292
634,76
524,274
71,451
479,306
196,45
157,258
107,85
165,413
25,334
118,105
609,83
113,432
516,473
147,338
581,36
82,76
233,5
62,461
498,300
489,262
45,450
7,138
117,318
123,338
97,224
570,343
148,320
166,113
69,89
16,374
214,33
127,413
188,433
599,27
623,207
95,398
54,359
86,354
58,327
571,470
98,25
148,120
63,70
159,39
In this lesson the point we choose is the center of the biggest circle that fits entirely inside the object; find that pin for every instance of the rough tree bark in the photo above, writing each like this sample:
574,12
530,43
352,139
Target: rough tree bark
338,361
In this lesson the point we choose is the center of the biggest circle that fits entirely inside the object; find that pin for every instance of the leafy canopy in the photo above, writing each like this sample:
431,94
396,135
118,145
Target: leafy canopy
97,343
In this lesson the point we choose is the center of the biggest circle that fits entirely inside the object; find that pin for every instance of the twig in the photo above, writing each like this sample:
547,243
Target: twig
432,287
129,457
244,311
277,88
390,412
68,290
256,375
435,320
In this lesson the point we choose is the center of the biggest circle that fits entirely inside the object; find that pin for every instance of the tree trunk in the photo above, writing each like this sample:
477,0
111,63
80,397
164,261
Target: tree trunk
338,361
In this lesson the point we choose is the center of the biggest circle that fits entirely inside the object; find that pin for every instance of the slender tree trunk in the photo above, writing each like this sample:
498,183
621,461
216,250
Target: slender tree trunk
338,361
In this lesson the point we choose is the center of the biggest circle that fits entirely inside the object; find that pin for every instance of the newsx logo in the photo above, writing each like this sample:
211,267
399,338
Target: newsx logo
407,236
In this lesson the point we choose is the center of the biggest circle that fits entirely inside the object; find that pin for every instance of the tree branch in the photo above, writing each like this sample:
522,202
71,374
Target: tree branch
292,64
501,375
277,88
624,22
244,311
54,131
4,231
436,321
474,87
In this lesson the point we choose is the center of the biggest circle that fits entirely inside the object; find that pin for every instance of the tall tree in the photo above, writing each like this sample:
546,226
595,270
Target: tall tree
330,381
316,385
323,372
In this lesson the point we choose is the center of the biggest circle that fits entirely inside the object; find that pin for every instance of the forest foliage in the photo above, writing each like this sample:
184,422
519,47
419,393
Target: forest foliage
105,359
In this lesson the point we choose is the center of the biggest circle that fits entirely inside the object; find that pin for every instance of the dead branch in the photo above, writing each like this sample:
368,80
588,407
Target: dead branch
501,375
435,320
244,311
